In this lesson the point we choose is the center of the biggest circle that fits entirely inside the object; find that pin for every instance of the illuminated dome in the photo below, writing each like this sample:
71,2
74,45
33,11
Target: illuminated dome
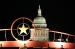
40,21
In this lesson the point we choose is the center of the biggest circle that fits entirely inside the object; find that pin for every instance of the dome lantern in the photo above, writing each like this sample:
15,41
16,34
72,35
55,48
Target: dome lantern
39,11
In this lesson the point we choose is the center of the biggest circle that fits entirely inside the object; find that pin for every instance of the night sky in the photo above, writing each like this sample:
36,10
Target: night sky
59,14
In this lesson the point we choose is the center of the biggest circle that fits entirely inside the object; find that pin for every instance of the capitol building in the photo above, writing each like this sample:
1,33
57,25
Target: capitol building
41,26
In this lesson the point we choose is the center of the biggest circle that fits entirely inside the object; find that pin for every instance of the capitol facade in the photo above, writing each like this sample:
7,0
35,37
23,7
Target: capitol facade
41,26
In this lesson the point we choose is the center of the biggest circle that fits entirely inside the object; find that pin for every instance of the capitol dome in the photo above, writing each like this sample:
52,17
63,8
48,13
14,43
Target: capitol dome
40,21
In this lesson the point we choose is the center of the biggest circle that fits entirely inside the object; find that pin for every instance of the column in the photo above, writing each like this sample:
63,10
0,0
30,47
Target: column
32,31
39,33
32,34
36,33
42,33
45,34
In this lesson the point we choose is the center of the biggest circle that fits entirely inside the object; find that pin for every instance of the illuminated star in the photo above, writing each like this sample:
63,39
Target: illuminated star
23,29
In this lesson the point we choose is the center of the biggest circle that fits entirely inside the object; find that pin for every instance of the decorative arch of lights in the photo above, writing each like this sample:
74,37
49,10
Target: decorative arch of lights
61,33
